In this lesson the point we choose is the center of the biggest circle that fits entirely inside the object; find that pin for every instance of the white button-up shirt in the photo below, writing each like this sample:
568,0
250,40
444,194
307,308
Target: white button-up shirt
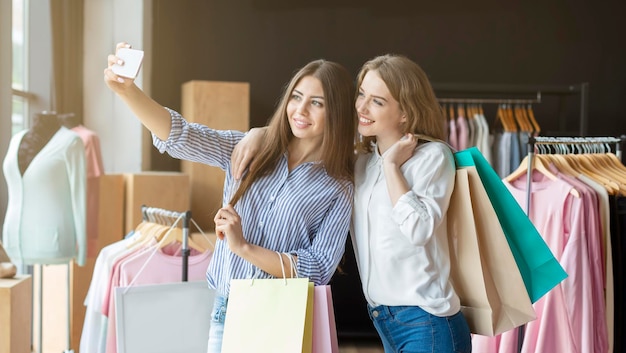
402,250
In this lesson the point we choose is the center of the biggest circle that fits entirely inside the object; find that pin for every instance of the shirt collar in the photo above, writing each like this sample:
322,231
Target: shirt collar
375,157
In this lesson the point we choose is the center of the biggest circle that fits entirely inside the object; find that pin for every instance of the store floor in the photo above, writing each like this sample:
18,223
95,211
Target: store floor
360,346
345,347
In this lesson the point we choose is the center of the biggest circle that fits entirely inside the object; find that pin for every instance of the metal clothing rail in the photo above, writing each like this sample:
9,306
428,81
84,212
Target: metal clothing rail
490,100
167,217
533,141
497,92
581,141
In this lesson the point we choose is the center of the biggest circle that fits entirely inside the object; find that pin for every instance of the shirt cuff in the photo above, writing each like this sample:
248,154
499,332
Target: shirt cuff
175,131
407,204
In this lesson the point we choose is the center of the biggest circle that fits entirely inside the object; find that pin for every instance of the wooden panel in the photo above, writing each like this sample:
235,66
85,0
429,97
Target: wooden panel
15,314
110,229
110,212
222,106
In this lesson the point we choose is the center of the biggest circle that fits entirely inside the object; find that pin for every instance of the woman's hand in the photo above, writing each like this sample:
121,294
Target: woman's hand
400,151
151,114
246,150
228,225
117,84
393,159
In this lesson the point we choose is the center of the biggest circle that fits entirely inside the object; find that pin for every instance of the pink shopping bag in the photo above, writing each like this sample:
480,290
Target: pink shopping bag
324,328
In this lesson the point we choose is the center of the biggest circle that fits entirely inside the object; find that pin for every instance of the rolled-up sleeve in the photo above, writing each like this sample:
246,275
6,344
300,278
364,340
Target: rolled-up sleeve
420,211
198,143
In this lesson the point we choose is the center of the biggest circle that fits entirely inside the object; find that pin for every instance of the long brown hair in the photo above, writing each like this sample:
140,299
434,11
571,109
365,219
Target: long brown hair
409,85
340,126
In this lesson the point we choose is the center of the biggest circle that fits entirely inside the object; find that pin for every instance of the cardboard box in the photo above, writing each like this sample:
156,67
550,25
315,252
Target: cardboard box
167,190
111,210
221,106
15,314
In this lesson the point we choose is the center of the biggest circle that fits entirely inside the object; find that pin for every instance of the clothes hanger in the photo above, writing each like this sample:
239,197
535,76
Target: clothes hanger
460,111
152,232
557,160
615,164
531,116
522,119
606,166
509,114
176,235
539,166
501,117
582,165
534,128
170,220
518,119
140,233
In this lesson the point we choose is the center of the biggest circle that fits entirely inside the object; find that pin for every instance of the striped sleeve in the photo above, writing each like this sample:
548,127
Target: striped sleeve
198,143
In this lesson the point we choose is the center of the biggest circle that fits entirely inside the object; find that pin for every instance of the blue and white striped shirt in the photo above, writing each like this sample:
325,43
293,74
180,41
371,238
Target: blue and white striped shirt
304,212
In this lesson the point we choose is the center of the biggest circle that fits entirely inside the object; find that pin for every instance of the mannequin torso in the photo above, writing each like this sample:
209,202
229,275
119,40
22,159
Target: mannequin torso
45,125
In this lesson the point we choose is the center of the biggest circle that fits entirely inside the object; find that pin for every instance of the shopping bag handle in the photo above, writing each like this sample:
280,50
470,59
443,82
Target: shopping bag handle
282,266
432,139
294,269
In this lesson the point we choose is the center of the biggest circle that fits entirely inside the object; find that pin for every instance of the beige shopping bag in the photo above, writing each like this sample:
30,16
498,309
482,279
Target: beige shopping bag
484,273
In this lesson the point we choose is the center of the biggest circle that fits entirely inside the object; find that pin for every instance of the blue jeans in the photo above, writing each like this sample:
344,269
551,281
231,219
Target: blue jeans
216,332
409,329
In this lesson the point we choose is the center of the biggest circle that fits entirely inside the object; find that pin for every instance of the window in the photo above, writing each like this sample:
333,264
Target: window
19,36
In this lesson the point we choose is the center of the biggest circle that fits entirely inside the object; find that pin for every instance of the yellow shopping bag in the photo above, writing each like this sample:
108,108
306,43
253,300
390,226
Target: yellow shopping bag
269,316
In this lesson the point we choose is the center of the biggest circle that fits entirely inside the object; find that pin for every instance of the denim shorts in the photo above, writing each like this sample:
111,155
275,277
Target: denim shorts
410,329
216,332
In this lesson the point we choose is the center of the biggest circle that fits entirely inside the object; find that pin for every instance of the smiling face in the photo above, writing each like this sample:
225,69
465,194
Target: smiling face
379,113
306,109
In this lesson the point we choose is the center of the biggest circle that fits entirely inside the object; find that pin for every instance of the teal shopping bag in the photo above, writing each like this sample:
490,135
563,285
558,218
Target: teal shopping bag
539,268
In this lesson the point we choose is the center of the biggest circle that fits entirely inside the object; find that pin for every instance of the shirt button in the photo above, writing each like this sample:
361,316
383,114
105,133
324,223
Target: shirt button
375,313
261,224
272,198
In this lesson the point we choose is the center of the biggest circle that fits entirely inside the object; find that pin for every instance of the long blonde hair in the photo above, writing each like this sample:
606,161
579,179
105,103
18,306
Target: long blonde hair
340,126
409,85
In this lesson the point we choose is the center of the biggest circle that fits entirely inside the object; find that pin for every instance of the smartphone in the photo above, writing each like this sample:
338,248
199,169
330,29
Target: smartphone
132,62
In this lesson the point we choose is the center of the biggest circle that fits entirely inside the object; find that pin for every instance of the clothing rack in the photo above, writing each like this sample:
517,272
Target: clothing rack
167,217
490,100
533,141
499,93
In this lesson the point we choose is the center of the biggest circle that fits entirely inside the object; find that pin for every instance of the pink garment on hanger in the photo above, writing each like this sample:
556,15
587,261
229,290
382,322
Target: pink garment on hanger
453,139
95,168
565,314
462,133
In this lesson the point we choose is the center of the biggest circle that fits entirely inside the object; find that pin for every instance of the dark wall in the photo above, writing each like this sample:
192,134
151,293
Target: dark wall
482,41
